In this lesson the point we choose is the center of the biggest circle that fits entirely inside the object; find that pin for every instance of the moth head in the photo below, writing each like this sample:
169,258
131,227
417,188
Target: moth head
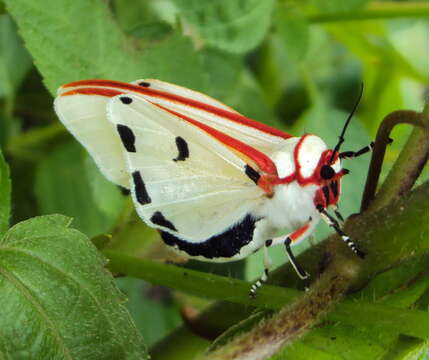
317,165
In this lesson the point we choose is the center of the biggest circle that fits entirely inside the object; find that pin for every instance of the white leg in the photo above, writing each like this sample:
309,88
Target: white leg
267,266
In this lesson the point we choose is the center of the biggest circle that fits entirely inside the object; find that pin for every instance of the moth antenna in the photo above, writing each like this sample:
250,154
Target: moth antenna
341,137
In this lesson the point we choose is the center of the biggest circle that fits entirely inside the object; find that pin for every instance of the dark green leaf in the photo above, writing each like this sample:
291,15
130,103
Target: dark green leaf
236,26
58,301
14,59
153,305
5,193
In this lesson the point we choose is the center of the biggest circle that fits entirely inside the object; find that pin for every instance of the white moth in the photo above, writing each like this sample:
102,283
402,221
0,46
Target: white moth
217,184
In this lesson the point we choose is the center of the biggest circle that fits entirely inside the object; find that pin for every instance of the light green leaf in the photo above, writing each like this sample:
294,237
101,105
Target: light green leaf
61,188
293,29
14,59
5,194
235,26
63,52
58,301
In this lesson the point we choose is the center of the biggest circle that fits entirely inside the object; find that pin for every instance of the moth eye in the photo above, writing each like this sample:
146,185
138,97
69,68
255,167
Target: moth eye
326,172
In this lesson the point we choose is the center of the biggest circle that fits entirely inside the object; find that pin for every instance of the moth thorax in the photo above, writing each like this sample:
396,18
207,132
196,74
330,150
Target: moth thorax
308,151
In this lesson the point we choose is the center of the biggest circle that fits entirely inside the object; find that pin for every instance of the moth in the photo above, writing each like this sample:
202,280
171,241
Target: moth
216,184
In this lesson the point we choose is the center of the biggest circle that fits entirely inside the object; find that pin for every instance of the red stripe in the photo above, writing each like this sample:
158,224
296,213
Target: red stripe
93,91
183,100
298,233
263,161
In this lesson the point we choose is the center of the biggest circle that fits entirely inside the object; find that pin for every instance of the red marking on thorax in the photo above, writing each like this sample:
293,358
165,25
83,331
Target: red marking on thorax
238,118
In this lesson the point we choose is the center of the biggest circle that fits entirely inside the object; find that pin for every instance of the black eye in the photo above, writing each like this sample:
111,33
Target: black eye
326,172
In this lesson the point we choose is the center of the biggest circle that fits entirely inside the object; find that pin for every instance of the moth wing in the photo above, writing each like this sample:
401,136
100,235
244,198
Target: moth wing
257,135
167,87
85,117
184,181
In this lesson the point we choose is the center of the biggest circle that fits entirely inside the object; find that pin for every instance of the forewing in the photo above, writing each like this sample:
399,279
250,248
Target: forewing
84,115
198,106
184,181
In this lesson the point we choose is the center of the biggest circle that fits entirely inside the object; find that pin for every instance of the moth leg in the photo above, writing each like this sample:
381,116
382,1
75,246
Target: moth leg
334,224
267,266
298,235
338,215
364,150
303,275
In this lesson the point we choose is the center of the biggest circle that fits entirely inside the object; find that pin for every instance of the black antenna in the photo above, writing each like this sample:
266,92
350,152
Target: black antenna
341,137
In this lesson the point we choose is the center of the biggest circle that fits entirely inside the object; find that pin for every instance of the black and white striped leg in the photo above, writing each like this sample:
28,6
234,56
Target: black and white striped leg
353,154
338,215
267,266
334,224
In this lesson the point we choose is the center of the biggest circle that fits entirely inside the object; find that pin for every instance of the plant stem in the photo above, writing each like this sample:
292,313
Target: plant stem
375,10
406,173
410,162
265,339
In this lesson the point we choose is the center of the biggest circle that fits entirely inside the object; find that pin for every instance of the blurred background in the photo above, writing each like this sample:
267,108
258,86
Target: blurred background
295,65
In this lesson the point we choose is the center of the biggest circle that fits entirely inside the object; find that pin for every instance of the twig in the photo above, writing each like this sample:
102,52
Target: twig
382,139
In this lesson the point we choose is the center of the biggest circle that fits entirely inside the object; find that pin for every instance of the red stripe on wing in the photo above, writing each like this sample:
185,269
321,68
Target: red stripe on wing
93,91
185,101
261,160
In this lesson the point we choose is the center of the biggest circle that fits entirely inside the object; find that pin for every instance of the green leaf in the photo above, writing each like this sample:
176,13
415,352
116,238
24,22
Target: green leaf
54,37
61,188
153,305
106,196
5,195
58,301
14,59
235,26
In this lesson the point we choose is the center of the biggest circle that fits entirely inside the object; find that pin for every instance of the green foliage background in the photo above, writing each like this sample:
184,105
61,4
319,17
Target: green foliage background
296,65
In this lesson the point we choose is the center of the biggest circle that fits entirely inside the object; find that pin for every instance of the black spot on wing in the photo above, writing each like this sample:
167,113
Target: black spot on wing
126,100
127,137
226,244
182,147
159,219
252,174
144,83
140,189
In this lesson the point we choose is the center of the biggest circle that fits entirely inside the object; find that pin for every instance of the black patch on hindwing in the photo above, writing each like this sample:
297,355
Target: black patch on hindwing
252,174
226,244
182,147
144,84
127,137
140,189
159,219
126,100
